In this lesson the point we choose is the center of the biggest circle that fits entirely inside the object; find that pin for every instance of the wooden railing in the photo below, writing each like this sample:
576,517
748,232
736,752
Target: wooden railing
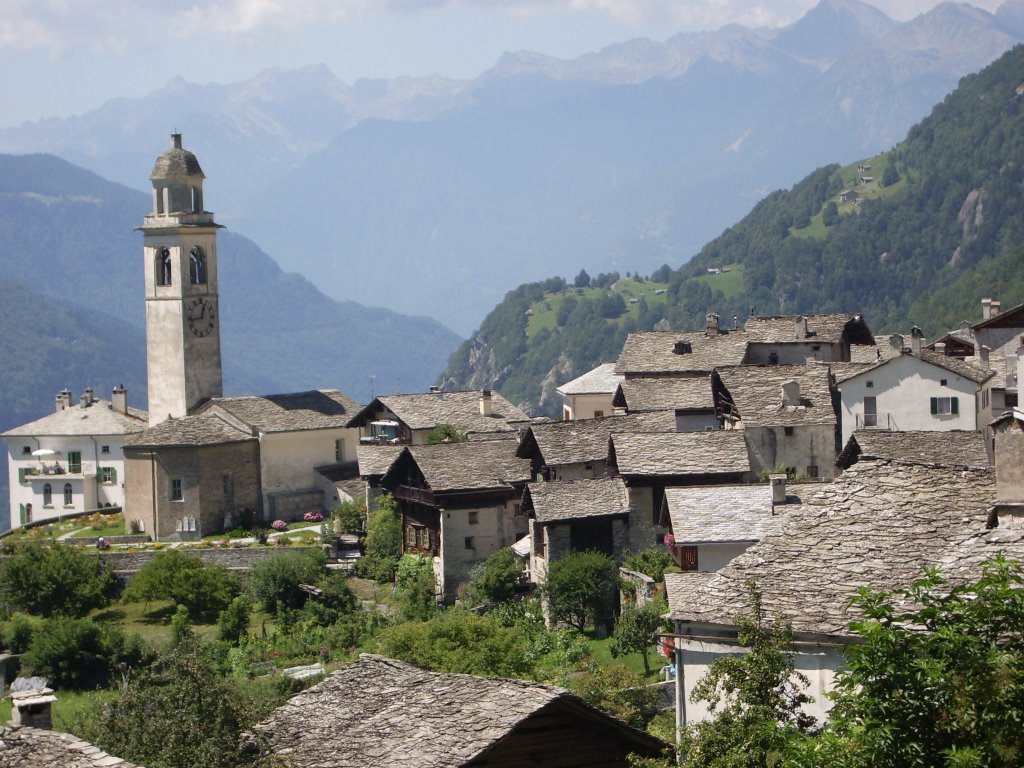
417,495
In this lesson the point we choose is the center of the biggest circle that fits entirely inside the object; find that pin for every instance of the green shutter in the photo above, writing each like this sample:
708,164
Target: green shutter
99,474
935,405
21,476
22,506
954,405
113,475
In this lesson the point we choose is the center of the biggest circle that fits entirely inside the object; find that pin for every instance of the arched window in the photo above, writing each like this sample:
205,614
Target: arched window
47,495
68,498
163,267
197,266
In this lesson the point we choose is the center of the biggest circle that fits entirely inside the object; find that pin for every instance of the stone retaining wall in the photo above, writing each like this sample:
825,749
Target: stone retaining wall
229,557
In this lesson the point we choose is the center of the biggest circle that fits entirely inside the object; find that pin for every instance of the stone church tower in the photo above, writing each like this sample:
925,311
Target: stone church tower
182,312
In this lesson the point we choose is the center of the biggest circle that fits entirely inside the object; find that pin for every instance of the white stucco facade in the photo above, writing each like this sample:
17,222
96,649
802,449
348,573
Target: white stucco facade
906,390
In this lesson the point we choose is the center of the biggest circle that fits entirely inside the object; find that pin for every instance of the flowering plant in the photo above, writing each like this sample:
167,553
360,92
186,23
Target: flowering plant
670,540
279,525
313,517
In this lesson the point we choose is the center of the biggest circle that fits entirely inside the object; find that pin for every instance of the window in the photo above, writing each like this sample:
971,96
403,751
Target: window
74,462
566,414
942,382
410,536
1010,398
339,450
107,474
28,513
870,412
945,406
812,471
474,517
469,543
104,449
197,266
163,267
687,558
870,385
176,490
788,431
69,498
47,495
598,414
26,449
227,484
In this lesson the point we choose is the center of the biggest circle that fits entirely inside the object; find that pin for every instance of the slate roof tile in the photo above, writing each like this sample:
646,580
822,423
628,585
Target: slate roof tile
781,329
757,393
586,440
470,466
599,381
25,747
427,410
652,352
290,412
661,393
204,429
681,453
99,418
956,448
721,513
577,499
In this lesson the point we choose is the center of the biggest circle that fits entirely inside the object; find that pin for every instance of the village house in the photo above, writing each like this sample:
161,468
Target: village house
573,450
577,516
709,526
649,463
691,399
785,413
460,503
877,525
590,396
409,419
71,461
381,712
799,339
668,353
916,390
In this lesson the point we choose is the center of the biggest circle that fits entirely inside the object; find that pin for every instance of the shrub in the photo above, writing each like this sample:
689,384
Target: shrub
579,588
18,631
274,581
313,517
80,653
446,433
651,562
619,692
349,517
279,525
383,542
54,580
417,588
495,579
233,621
203,589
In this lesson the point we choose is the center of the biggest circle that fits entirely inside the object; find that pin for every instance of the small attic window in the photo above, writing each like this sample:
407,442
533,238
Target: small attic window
942,382
682,348
869,384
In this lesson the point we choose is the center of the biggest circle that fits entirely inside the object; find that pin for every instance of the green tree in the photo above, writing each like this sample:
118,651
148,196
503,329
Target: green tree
830,214
178,713
495,579
938,678
890,175
460,641
446,433
582,279
650,562
635,628
274,581
204,589
579,588
80,653
54,580
619,692
417,588
348,517
755,697
383,541
233,621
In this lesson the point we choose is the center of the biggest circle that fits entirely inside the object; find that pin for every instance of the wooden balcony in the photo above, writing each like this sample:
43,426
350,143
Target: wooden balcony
415,495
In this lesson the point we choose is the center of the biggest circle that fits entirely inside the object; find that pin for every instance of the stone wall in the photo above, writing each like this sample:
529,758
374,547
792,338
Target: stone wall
230,557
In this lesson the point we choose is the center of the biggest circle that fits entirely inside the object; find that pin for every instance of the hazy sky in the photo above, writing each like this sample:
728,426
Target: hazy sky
60,57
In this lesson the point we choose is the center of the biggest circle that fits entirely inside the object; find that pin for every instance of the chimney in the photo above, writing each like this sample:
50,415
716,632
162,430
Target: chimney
66,397
997,308
752,310
965,328
801,327
59,402
791,392
940,348
735,322
983,352
712,324
986,308
778,488
119,399
176,140
916,341
896,342
83,400
31,703
89,395
485,402
435,390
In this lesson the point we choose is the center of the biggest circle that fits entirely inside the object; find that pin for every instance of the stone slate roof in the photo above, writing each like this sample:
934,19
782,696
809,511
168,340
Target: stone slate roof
427,410
586,440
601,381
576,499
877,526
827,329
375,460
651,352
957,448
757,394
38,748
681,453
190,431
99,418
844,371
176,164
723,513
1010,318
381,712
345,477
952,364
660,393
469,466
291,412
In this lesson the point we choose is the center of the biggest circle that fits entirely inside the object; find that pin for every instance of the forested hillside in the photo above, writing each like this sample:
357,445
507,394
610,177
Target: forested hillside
940,223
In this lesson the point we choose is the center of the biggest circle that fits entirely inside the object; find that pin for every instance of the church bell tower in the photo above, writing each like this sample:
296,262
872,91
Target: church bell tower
182,311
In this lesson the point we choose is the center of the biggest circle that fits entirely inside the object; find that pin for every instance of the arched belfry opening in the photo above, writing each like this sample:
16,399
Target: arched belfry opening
177,181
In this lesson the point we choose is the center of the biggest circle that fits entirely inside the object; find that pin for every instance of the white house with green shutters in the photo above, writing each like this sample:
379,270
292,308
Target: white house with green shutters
70,461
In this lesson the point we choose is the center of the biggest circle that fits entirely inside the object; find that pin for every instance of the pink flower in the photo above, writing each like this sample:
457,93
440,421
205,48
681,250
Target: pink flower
279,525
670,540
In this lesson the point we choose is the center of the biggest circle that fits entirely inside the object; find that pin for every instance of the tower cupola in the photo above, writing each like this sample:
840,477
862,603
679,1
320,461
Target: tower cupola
177,182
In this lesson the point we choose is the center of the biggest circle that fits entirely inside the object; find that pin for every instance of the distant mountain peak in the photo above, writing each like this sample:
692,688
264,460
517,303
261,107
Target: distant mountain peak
832,29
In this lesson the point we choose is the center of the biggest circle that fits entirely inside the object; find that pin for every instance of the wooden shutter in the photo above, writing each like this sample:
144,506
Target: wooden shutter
113,475
935,405
21,476
954,405
22,510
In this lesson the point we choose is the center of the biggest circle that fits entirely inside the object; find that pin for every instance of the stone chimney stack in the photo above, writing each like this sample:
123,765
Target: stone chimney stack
83,400
791,392
119,399
997,308
986,308
89,395
896,342
801,327
940,348
965,329
778,488
916,341
983,353
58,402
485,402
712,324
434,389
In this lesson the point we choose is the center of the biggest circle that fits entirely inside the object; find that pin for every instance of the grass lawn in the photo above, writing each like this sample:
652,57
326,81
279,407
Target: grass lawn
729,283
545,312
154,625
111,525
634,662
70,705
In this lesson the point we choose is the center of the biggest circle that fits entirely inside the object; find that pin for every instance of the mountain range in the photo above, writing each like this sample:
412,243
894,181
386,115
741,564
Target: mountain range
412,191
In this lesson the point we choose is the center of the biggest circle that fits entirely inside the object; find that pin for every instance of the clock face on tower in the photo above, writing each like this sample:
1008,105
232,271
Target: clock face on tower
200,317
